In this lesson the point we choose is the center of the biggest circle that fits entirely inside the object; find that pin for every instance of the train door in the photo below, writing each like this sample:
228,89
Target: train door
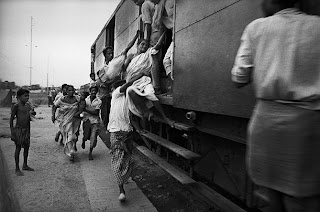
106,38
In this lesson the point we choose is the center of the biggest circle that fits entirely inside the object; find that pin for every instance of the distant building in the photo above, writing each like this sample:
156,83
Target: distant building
7,85
35,87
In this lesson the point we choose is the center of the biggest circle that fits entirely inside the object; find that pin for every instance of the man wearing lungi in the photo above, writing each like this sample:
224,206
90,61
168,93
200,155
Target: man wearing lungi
280,54
91,112
120,136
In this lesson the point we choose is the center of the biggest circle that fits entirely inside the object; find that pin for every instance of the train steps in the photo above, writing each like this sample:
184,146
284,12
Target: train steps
188,154
199,189
183,152
176,125
174,172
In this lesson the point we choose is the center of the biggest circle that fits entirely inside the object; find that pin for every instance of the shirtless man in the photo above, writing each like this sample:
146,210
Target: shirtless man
20,133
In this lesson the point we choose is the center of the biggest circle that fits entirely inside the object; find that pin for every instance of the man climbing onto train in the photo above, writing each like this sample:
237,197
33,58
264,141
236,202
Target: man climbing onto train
280,55
155,17
104,90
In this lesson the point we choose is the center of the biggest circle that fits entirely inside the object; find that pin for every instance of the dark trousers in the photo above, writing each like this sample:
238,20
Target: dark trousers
105,110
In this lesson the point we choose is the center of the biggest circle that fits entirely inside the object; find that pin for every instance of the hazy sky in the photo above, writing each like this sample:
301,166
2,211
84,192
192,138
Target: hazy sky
63,32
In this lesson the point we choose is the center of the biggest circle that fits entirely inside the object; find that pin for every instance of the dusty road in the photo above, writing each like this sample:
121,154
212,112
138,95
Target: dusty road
60,185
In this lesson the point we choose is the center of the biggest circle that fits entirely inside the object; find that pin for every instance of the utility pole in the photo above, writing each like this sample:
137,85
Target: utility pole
53,76
47,83
31,56
48,76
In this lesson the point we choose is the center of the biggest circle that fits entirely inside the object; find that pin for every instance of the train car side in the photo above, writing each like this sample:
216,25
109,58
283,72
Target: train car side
207,36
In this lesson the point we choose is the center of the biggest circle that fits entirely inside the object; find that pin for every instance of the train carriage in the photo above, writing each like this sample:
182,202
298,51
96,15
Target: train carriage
210,114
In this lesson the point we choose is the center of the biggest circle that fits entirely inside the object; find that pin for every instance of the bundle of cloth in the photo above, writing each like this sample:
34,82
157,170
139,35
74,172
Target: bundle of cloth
142,63
112,70
142,87
69,125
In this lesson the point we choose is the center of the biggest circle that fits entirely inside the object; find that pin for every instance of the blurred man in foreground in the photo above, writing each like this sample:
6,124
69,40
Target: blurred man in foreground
280,54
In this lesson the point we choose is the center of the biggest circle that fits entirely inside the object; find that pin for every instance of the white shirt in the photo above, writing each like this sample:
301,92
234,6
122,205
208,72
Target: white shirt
58,96
281,55
167,60
119,113
148,10
92,106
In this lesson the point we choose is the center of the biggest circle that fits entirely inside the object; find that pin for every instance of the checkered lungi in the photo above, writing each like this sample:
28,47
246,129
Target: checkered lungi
121,160
21,136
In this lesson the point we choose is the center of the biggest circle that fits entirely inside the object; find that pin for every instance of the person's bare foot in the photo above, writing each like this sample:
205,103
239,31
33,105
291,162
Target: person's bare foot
122,197
19,173
27,168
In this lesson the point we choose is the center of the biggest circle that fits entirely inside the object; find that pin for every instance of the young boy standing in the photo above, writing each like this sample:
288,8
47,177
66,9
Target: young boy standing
92,111
20,133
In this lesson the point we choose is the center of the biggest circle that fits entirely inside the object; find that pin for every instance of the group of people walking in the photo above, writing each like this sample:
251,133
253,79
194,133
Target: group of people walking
123,88
283,136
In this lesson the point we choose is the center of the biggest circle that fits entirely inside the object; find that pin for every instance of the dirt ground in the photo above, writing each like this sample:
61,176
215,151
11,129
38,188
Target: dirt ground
60,176
164,192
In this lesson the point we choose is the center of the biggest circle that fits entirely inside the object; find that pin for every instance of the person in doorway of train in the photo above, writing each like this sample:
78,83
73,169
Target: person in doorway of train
93,81
152,15
114,68
108,56
280,55
141,95
105,97
167,63
120,136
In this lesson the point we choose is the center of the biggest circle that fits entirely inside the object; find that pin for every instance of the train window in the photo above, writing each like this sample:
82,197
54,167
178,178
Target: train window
93,57
110,33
